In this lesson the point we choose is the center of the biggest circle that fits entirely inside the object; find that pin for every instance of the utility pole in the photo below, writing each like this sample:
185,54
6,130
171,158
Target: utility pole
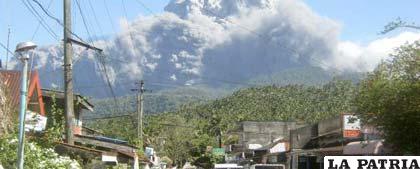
140,108
68,75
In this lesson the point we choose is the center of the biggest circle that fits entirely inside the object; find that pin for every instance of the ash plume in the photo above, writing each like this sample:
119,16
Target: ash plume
202,41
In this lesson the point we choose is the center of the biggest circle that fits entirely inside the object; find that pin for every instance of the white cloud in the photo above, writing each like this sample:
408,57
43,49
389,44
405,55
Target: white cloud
353,56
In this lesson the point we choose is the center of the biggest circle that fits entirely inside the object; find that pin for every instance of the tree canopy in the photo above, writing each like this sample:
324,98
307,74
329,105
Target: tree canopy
390,99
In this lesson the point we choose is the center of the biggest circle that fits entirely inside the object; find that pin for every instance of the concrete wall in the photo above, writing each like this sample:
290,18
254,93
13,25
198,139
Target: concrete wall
264,132
330,125
301,136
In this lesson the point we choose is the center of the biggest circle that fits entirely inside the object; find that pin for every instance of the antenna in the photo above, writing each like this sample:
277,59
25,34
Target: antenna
7,46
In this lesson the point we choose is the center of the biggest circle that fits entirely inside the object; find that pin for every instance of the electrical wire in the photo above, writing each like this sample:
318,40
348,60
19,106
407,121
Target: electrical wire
39,23
56,20
95,17
84,22
33,11
129,31
109,17
99,56
108,117
146,7
109,84
5,48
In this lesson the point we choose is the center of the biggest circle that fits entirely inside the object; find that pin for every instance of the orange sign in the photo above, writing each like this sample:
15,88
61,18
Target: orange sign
351,126
351,133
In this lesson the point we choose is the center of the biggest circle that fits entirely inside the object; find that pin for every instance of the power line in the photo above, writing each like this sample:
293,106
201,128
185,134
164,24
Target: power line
129,31
84,21
95,17
107,77
41,19
109,117
109,17
5,48
33,11
130,115
56,19
39,23
146,7
99,58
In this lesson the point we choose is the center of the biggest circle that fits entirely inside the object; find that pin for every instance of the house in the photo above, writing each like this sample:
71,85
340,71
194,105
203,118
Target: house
11,80
253,134
273,153
43,101
11,89
55,98
340,135
256,138
106,150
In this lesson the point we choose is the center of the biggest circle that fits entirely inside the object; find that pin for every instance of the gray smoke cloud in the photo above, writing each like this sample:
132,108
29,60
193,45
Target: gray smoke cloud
197,40
203,41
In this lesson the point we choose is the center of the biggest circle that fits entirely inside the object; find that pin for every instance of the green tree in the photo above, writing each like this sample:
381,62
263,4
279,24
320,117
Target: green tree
398,23
169,134
390,99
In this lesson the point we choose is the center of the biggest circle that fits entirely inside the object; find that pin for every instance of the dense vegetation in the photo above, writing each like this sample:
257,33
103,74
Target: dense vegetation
169,100
39,152
36,155
390,99
196,125
155,102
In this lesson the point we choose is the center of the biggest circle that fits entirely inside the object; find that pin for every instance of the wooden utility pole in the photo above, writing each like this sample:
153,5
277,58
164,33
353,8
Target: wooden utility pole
68,75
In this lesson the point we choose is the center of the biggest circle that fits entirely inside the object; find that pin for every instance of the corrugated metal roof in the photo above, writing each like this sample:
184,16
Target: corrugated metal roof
59,95
12,79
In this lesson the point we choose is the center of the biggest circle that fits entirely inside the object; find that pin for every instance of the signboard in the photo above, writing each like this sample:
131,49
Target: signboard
218,151
254,146
351,126
149,151
278,148
109,158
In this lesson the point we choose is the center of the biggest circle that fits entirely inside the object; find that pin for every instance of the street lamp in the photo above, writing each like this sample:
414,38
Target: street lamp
22,51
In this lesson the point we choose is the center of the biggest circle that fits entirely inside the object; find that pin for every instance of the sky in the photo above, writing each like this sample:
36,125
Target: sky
360,20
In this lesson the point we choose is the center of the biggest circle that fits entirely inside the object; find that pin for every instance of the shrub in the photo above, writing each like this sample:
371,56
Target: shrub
35,156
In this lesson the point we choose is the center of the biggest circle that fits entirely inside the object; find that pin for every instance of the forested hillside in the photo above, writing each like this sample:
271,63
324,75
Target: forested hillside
154,101
169,100
307,75
196,125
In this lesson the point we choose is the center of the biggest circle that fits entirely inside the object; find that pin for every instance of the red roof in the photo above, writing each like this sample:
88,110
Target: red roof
11,79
